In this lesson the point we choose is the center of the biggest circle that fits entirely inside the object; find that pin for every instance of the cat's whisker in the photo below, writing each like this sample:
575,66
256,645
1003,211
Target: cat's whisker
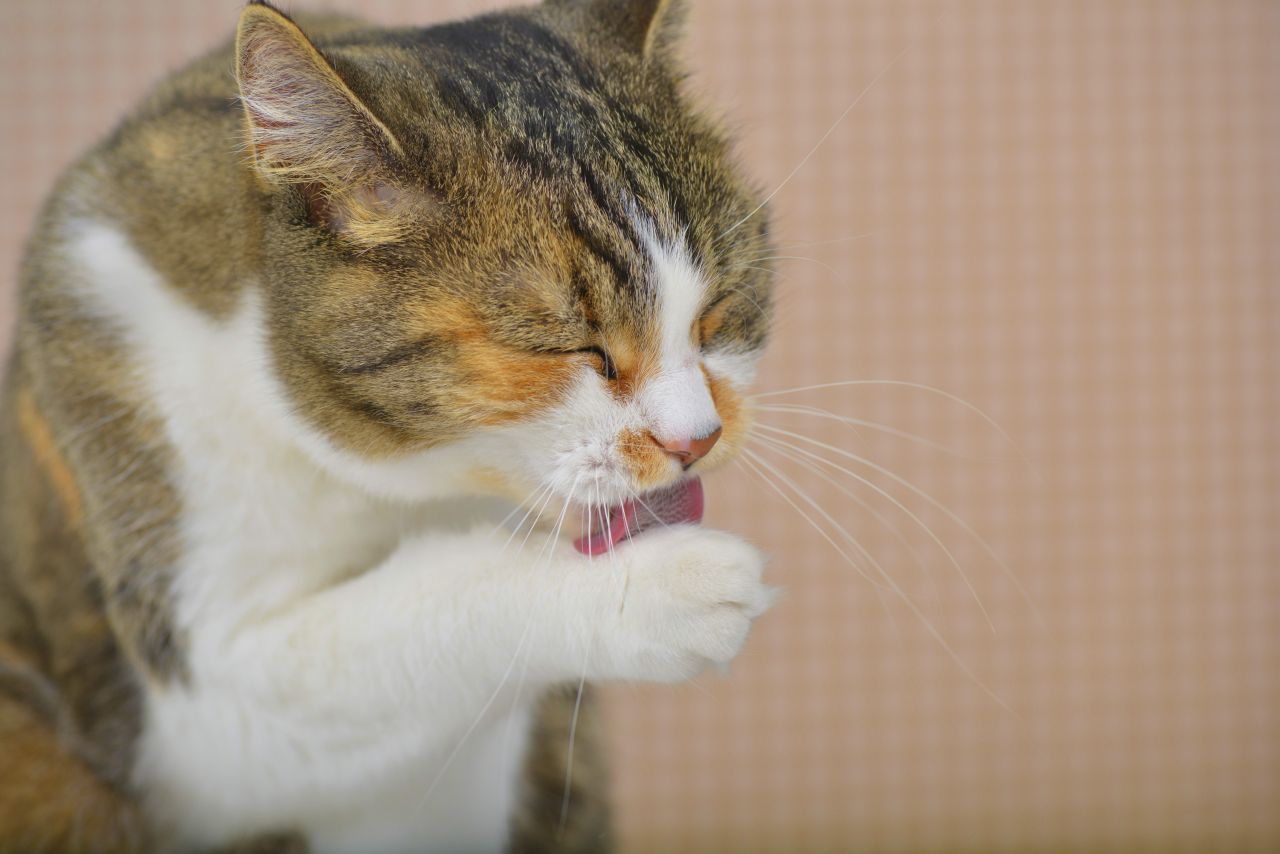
812,523
484,709
573,732
934,633
527,504
818,412
548,547
879,517
866,506
857,544
881,590
736,289
650,510
737,267
942,508
533,525
991,422
582,681
786,247
524,668
817,145
896,503
764,258
608,526
502,681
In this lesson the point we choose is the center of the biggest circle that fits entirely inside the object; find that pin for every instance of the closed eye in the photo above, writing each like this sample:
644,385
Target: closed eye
604,363
712,317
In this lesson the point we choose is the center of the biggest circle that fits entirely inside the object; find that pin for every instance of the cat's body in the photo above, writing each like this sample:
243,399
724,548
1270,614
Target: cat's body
266,407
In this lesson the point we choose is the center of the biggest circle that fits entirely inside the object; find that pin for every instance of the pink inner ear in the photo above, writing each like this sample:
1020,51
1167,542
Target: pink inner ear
304,123
379,197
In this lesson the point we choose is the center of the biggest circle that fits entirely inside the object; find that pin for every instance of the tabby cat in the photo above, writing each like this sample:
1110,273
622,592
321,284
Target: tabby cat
292,340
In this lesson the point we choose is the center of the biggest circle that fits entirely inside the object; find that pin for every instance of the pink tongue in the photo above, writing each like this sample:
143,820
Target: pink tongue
681,502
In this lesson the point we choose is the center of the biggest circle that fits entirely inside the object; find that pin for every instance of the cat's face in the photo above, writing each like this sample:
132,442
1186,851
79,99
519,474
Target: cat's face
509,241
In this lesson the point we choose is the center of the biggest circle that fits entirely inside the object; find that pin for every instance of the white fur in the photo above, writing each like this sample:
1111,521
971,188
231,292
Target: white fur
738,367
354,629
677,403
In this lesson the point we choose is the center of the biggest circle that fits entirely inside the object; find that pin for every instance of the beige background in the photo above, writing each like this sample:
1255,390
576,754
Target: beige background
1065,213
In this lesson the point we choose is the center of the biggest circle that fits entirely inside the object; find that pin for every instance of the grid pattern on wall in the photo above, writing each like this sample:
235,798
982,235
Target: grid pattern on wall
1055,634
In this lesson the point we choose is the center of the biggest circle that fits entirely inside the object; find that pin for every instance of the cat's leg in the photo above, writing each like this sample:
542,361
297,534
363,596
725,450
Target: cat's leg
564,809
50,800
405,659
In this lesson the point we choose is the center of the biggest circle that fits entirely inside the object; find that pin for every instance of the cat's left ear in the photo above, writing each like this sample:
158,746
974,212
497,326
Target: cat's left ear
650,29
306,127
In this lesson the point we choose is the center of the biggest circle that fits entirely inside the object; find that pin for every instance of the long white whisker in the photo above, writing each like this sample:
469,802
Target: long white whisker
484,709
947,511
540,499
936,635
991,422
764,258
502,682
646,506
816,145
889,496
795,488
817,412
865,505
533,526
582,682
524,502
813,524
786,247
852,496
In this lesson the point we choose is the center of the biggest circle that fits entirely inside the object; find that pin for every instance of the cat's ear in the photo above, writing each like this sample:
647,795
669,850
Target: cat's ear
307,128
647,28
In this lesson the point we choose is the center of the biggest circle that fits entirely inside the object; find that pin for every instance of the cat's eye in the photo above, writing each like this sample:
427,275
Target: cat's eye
712,319
604,364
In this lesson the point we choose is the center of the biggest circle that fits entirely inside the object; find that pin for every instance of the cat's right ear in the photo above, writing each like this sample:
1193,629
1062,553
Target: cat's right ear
649,29
306,128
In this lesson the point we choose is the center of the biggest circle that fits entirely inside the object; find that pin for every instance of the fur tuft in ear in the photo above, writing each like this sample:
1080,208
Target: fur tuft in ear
647,28
308,129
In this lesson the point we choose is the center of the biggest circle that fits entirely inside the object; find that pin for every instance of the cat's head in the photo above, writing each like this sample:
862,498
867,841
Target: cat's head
509,245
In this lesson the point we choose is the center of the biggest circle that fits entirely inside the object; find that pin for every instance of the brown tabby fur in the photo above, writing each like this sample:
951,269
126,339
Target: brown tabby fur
475,174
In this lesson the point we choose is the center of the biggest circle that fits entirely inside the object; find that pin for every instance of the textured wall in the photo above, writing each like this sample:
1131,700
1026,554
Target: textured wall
1064,213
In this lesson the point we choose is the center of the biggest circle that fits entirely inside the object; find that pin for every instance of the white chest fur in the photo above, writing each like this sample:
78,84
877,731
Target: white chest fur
231,753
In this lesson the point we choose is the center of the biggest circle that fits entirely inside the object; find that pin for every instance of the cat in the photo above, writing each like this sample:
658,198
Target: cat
291,341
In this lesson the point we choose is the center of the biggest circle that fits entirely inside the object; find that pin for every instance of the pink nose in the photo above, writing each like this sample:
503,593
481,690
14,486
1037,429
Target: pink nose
689,451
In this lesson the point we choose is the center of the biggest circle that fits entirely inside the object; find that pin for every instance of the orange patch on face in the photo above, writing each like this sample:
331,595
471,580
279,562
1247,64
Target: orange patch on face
35,429
498,383
648,463
508,385
735,420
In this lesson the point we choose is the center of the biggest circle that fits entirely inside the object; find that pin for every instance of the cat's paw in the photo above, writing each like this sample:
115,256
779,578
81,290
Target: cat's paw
681,599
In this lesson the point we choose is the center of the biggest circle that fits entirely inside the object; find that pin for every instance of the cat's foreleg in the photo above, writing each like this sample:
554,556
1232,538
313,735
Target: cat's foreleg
407,656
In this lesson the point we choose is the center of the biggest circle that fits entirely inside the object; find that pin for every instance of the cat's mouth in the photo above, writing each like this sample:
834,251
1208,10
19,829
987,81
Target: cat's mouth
681,502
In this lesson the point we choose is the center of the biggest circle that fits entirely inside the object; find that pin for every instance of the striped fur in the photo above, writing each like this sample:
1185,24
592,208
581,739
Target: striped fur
399,267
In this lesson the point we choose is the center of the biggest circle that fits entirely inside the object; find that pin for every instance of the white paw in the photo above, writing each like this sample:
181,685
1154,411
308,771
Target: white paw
680,599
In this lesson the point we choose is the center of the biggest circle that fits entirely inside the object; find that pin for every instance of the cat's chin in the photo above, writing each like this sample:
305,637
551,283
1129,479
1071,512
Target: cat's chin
679,503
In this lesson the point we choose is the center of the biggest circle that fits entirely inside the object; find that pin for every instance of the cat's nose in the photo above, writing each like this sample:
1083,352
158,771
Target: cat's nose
688,451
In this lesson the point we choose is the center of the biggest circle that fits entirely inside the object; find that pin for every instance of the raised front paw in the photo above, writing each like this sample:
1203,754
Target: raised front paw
680,599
